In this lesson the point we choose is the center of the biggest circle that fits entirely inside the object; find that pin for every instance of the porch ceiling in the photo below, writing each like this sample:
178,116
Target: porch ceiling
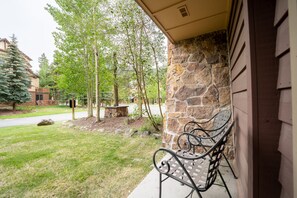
203,16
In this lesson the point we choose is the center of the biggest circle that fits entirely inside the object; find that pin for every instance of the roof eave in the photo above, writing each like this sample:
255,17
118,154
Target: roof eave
147,11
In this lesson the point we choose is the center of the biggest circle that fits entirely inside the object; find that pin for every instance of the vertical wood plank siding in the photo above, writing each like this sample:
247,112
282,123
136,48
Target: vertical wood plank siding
268,128
285,105
254,77
239,56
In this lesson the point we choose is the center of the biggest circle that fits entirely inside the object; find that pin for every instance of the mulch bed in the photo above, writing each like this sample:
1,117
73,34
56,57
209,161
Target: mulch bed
117,125
109,124
11,112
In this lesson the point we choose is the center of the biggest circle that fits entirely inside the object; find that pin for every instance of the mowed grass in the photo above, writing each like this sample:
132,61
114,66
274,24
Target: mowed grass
53,161
32,111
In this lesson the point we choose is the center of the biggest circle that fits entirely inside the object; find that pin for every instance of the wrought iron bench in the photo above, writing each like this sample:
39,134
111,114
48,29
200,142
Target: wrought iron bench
198,171
210,128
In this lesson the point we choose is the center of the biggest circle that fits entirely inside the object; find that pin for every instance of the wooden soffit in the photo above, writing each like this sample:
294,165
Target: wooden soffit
183,19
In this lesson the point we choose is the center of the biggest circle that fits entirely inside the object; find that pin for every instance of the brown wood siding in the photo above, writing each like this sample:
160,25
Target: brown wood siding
240,83
254,76
240,101
285,141
286,177
284,72
266,126
282,39
285,105
239,64
281,9
242,150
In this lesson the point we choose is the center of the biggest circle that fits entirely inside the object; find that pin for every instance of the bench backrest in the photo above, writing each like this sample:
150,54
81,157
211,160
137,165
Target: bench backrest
215,155
221,119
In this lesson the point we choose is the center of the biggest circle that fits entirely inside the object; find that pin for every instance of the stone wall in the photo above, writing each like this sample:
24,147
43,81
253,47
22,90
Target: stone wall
198,82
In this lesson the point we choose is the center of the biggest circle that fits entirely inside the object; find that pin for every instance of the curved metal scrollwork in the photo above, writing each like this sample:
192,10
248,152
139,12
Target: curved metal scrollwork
191,141
163,163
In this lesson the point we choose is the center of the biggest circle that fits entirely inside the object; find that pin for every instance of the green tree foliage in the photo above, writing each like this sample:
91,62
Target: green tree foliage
4,91
15,70
45,72
90,32
142,49
82,47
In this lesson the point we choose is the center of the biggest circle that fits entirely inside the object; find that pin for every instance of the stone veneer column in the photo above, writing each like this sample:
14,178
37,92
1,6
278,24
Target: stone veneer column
198,82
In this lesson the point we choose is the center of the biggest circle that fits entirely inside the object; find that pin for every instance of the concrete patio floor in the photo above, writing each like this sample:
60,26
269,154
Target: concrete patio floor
149,187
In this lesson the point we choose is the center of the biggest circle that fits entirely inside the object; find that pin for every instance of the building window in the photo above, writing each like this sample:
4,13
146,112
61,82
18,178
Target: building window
39,97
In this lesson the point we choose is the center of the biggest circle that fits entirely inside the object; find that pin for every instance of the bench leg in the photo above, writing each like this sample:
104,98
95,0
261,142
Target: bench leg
199,194
230,166
160,186
224,183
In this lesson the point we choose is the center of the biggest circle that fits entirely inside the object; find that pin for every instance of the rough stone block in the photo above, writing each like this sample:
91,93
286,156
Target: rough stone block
167,138
119,111
183,121
170,106
188,91
172,124
221,76
196,57
176,114
211,97
194,101
224,98
180,106
212,59
200,75
202,112
192,66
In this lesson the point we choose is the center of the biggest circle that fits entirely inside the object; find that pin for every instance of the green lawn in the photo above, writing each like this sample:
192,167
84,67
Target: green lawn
41,110
52,161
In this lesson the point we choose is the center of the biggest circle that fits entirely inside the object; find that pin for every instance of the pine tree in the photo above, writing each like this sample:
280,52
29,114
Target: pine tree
18,80
45,79
4,92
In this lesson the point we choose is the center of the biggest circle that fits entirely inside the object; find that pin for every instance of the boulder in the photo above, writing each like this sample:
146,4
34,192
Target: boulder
45,122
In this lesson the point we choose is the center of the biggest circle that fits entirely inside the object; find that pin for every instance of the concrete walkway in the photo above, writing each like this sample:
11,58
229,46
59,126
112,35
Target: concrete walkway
63,117
149,187
37,119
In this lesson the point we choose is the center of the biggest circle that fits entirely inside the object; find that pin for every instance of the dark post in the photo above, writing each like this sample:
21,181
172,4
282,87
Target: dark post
115,83
73,117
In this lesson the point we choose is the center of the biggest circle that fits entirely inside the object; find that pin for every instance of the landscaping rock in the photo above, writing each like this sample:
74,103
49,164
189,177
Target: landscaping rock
70,125
146,133
118,131
157,135
133,132
45,122
100,130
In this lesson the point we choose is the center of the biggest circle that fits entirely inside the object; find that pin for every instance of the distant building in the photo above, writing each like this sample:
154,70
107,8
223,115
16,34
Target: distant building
38,95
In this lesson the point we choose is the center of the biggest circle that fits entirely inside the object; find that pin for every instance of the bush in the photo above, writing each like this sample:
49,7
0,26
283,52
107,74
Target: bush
148,125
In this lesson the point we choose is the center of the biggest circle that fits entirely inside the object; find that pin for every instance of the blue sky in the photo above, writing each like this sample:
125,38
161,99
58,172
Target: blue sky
32,25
